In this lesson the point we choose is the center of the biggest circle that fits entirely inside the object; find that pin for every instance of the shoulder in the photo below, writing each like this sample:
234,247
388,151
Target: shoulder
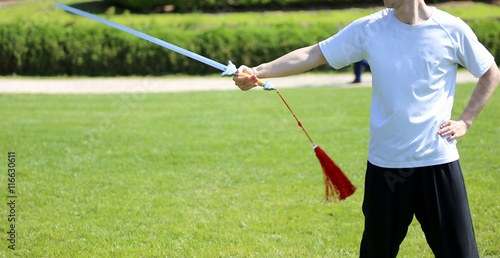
370,25
442,16
376,18
450,23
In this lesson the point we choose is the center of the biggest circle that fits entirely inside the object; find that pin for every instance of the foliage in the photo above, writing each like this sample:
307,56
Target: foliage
99,50
51,42
52,49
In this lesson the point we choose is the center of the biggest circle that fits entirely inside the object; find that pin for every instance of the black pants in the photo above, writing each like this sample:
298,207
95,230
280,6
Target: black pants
437,197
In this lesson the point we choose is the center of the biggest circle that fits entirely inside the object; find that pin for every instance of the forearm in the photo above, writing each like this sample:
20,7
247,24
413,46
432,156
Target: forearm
295,62
483,91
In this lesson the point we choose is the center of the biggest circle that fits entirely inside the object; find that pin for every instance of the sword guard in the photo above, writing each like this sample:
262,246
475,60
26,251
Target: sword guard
268,86
230,69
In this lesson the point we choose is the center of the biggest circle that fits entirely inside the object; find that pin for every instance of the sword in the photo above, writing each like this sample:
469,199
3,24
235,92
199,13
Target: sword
227,70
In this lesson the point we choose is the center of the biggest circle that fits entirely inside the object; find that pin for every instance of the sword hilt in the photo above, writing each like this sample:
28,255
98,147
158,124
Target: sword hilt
267,85
231,70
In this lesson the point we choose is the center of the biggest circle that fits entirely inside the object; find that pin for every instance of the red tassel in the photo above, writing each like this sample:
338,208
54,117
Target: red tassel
338,186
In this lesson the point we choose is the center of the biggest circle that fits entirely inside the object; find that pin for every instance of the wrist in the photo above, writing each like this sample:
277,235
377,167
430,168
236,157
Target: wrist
254,72
259,71
465,122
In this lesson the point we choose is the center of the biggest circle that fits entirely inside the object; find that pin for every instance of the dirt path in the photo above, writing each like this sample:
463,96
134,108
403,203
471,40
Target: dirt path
5,3
155,84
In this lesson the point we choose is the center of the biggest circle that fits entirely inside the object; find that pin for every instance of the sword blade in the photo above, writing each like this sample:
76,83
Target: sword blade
151,39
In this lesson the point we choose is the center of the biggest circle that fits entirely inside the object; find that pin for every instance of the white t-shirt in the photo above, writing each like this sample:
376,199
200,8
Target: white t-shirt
414,70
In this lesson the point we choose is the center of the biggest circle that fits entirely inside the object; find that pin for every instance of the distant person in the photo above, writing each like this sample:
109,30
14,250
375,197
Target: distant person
412,169
359,68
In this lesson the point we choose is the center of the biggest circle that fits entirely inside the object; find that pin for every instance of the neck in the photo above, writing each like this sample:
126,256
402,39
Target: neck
412,11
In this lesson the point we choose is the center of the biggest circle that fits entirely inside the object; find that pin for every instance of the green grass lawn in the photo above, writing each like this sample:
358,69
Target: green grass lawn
207,174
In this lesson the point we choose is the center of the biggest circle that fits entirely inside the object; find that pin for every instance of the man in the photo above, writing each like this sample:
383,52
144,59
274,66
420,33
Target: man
413,168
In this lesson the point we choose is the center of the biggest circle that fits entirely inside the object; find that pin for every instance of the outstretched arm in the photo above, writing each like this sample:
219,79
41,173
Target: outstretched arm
483,91
295,62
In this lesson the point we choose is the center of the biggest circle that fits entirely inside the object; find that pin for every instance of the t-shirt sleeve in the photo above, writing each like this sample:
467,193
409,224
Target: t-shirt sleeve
471,53
345,47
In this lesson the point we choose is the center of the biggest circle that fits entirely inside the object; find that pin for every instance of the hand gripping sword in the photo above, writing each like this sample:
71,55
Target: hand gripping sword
227,70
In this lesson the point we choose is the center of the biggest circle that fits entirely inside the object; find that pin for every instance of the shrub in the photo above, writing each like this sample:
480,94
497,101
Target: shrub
51,49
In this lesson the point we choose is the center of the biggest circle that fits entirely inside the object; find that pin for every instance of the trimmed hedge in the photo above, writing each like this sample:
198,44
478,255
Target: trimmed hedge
50,49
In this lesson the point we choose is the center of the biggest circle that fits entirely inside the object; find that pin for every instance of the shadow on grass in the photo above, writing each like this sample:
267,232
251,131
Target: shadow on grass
102,7
97,7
